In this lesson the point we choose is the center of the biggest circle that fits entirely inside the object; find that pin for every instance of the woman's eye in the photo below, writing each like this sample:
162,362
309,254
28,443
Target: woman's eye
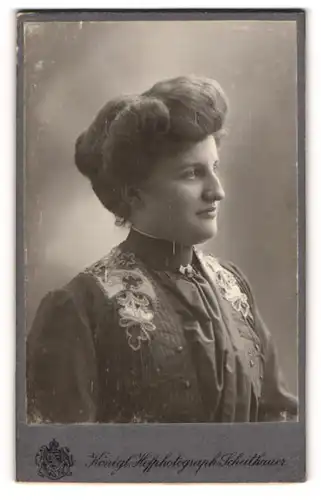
196,172
190,173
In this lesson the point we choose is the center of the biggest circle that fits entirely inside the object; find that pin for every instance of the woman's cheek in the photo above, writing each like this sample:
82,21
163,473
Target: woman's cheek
189,195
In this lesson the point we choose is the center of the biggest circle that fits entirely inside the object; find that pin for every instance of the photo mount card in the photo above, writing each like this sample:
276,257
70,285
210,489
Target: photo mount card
141,352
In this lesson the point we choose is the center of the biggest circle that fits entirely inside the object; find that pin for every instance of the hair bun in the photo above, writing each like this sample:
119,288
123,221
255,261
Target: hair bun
144,116
89,144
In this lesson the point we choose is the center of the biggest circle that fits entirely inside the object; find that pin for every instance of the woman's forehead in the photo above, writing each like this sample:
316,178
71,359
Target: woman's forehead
202,152
205,150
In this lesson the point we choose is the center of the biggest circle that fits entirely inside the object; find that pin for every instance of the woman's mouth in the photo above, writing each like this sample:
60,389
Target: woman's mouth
208,213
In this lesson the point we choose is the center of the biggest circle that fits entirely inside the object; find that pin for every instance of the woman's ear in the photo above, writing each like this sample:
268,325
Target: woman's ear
132,195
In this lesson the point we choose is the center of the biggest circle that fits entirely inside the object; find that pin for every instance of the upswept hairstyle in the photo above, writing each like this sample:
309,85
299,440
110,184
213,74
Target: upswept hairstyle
130,133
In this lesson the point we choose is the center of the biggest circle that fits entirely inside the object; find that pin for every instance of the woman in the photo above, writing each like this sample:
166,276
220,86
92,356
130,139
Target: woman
156,331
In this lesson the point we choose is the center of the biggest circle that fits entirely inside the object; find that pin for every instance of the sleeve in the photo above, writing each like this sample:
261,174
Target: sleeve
277,403
61,363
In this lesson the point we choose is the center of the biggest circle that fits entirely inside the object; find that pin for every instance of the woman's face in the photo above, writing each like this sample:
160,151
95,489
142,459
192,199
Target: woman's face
180,200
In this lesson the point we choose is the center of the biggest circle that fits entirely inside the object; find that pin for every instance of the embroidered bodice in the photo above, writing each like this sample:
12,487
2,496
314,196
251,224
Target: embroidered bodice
150,335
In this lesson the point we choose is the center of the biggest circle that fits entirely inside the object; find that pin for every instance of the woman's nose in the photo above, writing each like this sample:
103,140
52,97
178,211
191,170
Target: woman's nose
213,189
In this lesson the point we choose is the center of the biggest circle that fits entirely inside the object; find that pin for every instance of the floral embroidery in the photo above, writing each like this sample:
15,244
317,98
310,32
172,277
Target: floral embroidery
125,259
115,258
124,282
136,312
227,285
231,292
136,317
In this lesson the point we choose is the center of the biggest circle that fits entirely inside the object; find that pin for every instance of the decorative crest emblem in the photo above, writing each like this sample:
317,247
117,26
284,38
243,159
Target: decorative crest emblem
53,462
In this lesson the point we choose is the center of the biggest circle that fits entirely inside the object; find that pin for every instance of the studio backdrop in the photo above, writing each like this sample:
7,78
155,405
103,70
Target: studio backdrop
72,69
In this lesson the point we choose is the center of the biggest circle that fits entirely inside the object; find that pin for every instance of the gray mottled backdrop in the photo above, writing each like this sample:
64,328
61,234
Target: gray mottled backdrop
71,69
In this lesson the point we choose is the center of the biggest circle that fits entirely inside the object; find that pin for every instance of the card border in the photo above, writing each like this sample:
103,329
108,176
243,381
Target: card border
291,435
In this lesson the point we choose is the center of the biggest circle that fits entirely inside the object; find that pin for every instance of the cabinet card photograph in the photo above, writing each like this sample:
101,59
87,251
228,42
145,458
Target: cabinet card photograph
160,246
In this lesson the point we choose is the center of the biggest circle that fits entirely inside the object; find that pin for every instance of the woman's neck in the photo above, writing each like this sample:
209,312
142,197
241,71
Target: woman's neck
160,252
149,235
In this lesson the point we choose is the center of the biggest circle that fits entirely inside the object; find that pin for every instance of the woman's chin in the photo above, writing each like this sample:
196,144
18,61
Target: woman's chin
208,229
201,233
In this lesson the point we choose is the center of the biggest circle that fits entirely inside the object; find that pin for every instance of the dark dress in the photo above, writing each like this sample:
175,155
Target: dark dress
142,337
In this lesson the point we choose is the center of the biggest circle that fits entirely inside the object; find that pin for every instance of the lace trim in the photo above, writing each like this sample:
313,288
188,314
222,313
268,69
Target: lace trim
123,281
227,285
136,311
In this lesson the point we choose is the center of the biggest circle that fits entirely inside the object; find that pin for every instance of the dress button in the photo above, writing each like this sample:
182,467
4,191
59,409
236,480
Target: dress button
187,384
179,348
228,368
251,362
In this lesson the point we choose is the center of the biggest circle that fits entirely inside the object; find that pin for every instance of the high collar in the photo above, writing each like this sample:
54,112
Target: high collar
157,253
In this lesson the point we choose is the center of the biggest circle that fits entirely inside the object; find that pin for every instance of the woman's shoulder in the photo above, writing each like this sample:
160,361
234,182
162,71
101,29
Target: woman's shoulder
82,295
219,265
116,258
100,282
228,274
118,272
84,282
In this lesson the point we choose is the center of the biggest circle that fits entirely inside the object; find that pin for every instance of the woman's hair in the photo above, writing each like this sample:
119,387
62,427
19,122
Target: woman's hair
131,133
